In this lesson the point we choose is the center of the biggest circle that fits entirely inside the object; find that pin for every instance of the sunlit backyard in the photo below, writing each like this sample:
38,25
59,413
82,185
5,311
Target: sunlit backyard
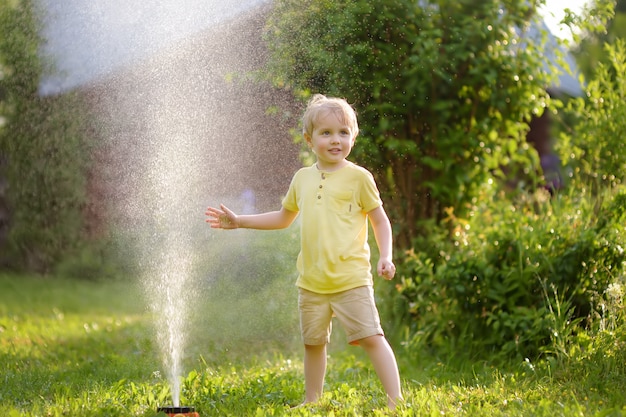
495,145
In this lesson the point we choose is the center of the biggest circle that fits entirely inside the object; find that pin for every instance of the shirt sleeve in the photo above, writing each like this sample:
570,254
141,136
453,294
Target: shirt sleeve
290,201
369,194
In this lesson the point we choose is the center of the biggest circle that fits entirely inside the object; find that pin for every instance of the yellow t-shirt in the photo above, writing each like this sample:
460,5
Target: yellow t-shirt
334,254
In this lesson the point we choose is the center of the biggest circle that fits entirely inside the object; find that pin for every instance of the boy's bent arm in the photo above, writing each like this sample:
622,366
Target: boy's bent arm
224,218
384,240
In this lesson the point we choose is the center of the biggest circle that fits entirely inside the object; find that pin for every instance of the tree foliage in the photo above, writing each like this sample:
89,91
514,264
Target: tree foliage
42,150
527,276
595,149
602,22
444,91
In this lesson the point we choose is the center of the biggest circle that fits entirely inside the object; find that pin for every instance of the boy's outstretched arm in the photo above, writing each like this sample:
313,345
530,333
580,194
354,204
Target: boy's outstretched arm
224,218
384,239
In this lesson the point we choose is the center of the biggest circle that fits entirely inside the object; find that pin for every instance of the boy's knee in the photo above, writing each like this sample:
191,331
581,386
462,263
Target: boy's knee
315,347
371,341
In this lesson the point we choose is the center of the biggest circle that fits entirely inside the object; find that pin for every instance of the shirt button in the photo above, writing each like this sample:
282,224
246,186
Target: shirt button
321,186
319,196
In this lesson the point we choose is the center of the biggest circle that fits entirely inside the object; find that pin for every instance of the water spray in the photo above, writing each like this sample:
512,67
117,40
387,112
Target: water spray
161,116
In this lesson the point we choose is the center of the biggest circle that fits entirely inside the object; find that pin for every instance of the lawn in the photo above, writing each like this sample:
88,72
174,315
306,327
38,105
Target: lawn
77,348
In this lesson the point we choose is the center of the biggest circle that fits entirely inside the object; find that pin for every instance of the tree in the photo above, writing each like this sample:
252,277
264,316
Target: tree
42,151
444,91
595,149
604,21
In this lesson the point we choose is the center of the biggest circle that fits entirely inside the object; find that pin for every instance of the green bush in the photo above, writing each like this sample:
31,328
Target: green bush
518,276
46,173
526,275
594,150
43,152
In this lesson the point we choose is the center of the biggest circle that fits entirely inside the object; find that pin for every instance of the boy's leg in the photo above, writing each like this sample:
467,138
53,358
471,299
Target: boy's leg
315,323
385,365
356,309
314,371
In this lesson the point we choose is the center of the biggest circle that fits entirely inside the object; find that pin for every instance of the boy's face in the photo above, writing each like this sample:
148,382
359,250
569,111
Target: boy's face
331,141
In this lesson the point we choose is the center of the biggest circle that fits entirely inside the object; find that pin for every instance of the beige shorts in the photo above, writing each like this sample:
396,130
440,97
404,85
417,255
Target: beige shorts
355,309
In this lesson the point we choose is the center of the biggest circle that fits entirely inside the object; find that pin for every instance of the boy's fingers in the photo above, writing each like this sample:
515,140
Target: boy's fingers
214,212
388,271
221,219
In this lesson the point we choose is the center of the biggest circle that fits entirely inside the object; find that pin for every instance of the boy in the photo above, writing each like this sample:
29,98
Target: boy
335,198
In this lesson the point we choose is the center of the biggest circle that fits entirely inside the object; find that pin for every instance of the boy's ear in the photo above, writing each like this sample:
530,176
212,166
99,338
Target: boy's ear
308,140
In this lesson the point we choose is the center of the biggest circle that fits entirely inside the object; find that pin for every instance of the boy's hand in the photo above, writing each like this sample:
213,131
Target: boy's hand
386,269
221,218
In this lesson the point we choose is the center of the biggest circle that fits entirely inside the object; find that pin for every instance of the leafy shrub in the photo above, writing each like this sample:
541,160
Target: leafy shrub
517,276
43,151
529,274
594,150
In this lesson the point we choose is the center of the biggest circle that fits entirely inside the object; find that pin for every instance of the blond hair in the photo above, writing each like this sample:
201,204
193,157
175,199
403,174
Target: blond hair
319,104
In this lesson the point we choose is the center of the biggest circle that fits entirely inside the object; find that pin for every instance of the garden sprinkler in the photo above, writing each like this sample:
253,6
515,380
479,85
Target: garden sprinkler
179,411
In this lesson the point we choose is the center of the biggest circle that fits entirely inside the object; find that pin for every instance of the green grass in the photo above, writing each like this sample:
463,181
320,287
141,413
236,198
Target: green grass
74,348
